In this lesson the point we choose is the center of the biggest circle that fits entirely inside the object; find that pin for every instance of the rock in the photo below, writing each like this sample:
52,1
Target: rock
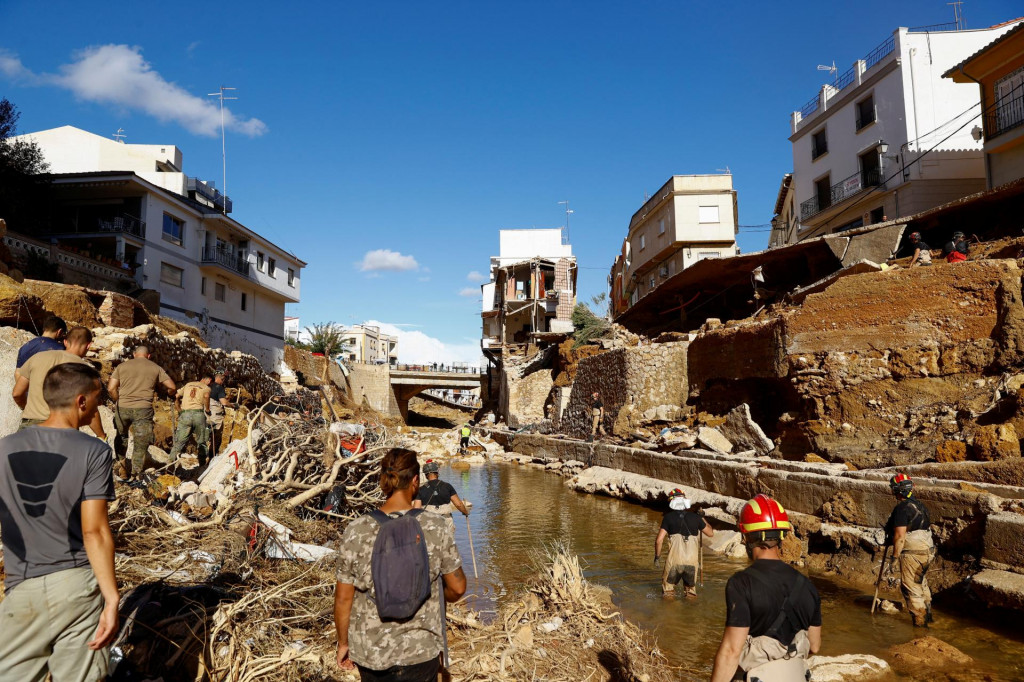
995,442
161,487
723,541
999,588
158,455
951,451
926,652
744,433
737,552
846,667
841,509
713,440
815,459
887,606
663,413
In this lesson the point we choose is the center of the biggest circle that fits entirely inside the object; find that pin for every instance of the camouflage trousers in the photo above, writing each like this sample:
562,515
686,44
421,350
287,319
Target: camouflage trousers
191,423
139,421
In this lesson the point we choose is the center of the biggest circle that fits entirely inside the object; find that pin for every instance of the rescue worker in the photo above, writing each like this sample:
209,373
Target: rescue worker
908,530
773,612
922,252
464,434
132,386
683,529
957,248
218,401
438,496
52,338
597,416
193,401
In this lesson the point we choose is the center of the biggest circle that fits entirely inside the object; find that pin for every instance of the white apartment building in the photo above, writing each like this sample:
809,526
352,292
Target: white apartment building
294,331
889,137
532,289
133,205
691,217
366,344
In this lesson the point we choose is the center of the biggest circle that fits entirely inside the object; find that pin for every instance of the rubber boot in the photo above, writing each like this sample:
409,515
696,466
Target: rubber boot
928,615
920,620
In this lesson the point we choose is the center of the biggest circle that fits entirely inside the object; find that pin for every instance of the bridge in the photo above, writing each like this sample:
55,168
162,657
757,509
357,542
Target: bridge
409,380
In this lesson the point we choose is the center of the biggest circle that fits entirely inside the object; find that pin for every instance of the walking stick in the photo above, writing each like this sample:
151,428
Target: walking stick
700,560
878,582
472,552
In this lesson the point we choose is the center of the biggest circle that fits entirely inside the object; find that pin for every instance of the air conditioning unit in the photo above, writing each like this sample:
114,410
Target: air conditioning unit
663,271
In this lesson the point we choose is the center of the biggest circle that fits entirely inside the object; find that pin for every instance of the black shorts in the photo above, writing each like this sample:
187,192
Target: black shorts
420,672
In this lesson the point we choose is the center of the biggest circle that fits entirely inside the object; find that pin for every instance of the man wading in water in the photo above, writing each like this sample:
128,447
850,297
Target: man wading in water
683,529
773,612
438,496
908,530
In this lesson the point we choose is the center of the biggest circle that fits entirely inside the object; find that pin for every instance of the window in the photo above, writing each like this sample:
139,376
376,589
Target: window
870,169
272,268
1009,112
819,144
245,300
823,192
661,226
865,112
643,242
171,275
878,215
219,292
707,214
291,277
202,286
174,229
259,261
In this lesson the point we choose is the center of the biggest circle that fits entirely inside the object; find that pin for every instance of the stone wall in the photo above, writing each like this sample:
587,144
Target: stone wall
372,384
526,398
633,379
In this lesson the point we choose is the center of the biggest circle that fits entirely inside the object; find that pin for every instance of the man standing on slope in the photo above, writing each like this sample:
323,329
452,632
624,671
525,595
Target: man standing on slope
908,530
683,529
133,385
773,612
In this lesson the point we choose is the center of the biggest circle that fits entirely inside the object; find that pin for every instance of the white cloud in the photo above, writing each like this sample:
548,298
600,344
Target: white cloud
118,75
415,347
386,259
469,292
475,276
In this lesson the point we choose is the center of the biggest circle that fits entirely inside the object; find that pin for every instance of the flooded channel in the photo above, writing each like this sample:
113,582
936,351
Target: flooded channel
519,510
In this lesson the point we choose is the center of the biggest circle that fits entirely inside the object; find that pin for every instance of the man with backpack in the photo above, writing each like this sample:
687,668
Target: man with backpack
438,496
683,528
396,568
773,612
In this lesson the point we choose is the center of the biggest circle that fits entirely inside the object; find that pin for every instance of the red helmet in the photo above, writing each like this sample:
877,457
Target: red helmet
676,492
901,485
915,236
763,514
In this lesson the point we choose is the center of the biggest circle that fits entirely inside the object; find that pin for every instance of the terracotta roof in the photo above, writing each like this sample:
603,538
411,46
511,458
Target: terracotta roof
1016,29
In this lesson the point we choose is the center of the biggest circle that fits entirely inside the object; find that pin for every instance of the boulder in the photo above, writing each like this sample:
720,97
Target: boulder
712,439
723,541
927,652
744,433
846,667
951,451
663,413
995,442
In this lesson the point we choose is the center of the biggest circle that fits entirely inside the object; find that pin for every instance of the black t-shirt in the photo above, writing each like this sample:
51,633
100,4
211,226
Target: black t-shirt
679,522
597,404
754,599
435,493
911,513
952,246
217,392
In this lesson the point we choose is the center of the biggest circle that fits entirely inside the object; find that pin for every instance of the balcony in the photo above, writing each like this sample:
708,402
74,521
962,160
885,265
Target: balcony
1005,117
206,193
849,77
841,191
225,259
121,223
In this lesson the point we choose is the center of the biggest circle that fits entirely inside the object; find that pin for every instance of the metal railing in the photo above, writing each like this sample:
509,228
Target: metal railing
204,189
948,26
811,106
849,76
124,224
231,261
1005,117
879,53
438,368
846,78
841,191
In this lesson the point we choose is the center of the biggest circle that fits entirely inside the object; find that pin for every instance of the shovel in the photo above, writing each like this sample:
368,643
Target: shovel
878,583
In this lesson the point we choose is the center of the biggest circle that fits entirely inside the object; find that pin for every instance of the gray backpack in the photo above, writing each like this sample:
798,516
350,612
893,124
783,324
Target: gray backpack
399,566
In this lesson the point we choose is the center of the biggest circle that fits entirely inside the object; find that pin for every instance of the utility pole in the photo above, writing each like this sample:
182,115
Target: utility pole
223,144
568,212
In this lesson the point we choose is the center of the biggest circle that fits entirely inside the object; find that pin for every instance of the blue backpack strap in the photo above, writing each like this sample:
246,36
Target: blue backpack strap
379,516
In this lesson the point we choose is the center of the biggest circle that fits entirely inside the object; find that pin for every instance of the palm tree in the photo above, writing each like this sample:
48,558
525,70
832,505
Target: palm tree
325,338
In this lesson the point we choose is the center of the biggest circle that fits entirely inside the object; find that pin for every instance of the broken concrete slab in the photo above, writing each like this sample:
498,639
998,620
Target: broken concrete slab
663,413
999,588
714,440
743,432
877,245
1004,538
858,268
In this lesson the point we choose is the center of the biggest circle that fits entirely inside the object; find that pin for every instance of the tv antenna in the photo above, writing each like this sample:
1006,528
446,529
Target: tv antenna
958,14
831,69
724,170
223,144
119,135
568,212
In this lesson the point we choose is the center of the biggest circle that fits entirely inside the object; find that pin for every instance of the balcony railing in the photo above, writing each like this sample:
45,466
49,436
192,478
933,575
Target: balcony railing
124,224
1005,117
841,191
231,261
849,77
210,193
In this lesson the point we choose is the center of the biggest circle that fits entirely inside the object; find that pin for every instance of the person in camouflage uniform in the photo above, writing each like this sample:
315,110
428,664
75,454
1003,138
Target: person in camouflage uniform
132,386
194,399
396,651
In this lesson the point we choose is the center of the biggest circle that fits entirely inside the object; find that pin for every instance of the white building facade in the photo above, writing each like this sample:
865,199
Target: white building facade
889,137
134,203
367,344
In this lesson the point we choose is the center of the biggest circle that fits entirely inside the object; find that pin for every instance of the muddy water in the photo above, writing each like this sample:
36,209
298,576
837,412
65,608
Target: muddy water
518,510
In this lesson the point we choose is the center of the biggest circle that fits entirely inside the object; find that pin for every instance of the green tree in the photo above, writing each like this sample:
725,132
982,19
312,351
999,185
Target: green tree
24,183
588,325
325,338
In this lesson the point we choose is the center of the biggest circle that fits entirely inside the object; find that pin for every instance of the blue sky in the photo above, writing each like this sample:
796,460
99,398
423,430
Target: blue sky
424,128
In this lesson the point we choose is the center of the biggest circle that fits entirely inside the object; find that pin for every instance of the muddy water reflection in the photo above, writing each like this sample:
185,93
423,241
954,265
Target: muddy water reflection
519,510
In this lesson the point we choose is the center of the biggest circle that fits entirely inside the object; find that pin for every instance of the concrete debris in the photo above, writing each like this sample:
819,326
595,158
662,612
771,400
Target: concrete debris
280,545
999,588
663,413
743,432
714,440
676,438
847,667
724,541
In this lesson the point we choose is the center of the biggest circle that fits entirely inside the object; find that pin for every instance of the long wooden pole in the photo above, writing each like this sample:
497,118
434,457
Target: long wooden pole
878,582
472,552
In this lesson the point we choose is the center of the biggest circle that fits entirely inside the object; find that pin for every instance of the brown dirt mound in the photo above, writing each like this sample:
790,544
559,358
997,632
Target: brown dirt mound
71,303
17,308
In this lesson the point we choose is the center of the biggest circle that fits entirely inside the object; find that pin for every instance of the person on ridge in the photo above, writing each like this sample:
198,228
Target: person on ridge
773,612
52,338
956,249
464,433
597,416
908,530
683,529
193,399
218,402
922,252
438,496
133,385
406,649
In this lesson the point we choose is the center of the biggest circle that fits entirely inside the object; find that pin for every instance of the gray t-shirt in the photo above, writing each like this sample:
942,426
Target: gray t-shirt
45,474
